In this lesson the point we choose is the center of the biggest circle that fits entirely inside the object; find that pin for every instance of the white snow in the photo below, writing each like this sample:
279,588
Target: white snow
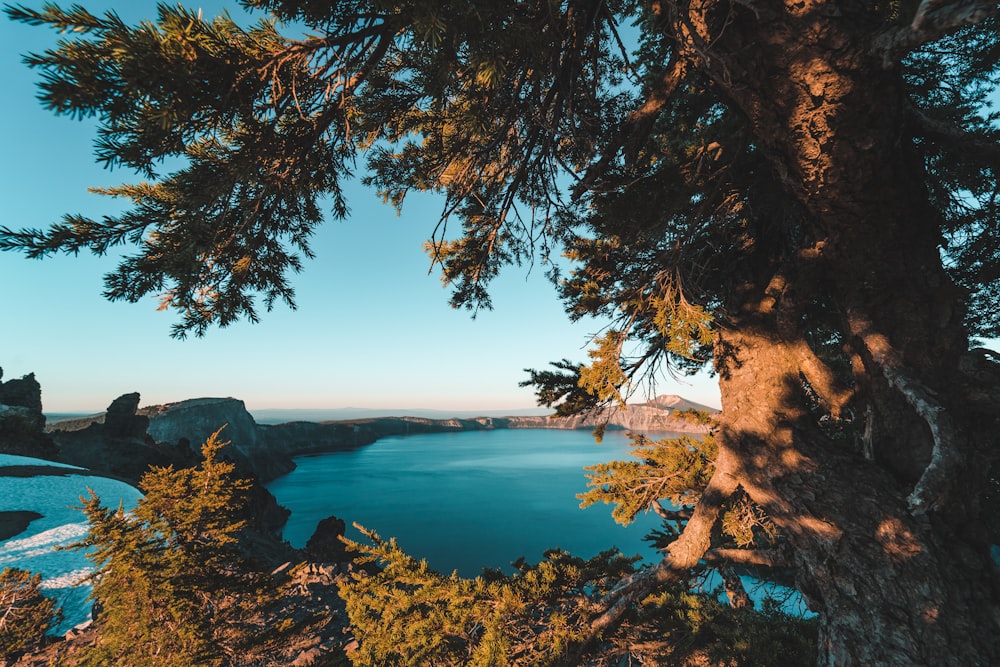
57,499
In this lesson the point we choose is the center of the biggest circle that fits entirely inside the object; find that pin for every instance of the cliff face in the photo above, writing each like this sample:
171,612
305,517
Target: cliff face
191,422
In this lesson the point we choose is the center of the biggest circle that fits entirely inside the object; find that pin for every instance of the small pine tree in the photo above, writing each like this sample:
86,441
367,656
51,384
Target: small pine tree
25,614
164,570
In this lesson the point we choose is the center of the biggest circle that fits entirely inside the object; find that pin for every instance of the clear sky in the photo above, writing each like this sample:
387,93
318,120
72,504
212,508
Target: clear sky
373,328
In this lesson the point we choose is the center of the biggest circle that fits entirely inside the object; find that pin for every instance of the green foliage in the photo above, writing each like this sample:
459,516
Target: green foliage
604,378
408,614
25,614
498,105
674,468
168,573
675,201
561,390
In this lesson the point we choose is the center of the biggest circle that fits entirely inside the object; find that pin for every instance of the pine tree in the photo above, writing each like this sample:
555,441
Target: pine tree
25,614
166,573
803,194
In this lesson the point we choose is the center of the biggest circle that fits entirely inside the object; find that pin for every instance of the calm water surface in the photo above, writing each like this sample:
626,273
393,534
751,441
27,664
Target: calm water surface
467,500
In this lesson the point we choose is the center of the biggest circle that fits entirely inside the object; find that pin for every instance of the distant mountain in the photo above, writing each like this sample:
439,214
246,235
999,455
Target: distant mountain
668,413
283,415
675,402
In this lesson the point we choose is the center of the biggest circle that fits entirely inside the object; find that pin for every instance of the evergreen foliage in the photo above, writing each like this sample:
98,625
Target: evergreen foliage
408,614
677,469
25,614
171,588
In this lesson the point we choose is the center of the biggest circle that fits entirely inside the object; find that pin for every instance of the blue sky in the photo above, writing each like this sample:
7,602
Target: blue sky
373,328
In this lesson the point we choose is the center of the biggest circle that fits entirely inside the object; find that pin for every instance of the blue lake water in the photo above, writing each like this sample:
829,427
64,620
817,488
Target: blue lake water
466,500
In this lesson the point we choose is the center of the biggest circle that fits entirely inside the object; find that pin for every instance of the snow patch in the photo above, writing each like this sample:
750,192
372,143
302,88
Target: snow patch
57,499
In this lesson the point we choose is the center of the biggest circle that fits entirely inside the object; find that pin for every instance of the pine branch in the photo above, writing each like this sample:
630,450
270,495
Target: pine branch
682,555
934,19
638,125
758,557
971,142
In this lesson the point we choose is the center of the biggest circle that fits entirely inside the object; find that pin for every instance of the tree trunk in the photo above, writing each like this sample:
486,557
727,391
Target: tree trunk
885,525
891,586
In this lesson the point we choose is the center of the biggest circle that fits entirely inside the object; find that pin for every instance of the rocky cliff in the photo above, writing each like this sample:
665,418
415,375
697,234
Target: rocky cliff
189,423
21,420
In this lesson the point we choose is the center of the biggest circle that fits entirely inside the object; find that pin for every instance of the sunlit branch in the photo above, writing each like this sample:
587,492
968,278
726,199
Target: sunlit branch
758,557
780,299
683,514
682,554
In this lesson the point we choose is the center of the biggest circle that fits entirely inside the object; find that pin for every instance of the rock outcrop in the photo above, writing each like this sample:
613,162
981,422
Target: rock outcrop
121,420
115,443
189,423
325,546
25,392
22,424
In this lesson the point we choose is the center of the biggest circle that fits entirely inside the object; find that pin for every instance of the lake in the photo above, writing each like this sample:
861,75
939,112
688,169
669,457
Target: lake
466,500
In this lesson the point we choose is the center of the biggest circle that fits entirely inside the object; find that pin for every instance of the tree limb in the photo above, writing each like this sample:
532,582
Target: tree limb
637,126
934,19
930,128
932,487
683,514
682,555
782,301
759,557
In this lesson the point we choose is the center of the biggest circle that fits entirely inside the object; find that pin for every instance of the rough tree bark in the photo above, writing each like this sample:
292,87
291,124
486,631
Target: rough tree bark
885,530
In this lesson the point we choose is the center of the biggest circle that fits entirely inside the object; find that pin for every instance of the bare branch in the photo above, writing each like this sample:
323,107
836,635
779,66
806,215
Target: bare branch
683,514
934,19
937,477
